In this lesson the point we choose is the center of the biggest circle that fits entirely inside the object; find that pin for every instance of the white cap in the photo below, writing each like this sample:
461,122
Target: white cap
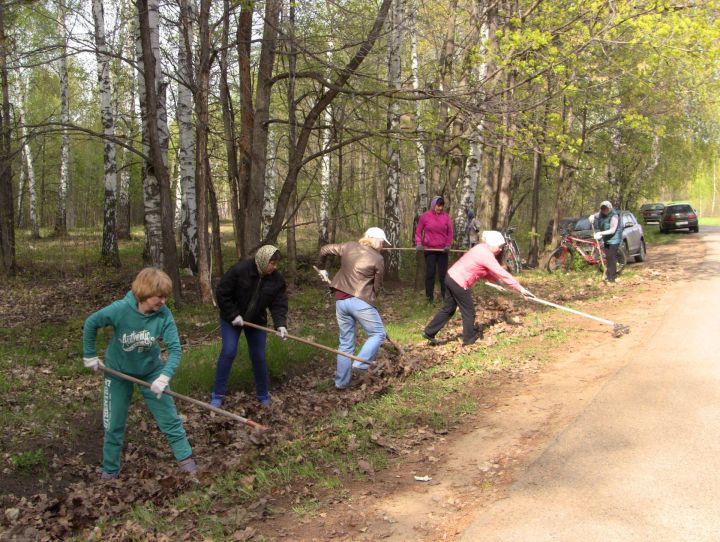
493,238
376,233
607,204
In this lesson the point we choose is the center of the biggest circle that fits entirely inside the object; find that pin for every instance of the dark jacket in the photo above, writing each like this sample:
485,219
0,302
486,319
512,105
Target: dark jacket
243,291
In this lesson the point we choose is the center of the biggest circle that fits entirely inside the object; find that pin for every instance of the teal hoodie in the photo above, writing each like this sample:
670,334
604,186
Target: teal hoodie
134,347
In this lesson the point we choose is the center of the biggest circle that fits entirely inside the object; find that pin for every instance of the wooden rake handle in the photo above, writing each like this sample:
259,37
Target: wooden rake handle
311,343
250,423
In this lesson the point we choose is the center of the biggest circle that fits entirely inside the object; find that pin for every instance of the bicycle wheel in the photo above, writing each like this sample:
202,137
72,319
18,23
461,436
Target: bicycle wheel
512,259
621,260
560,259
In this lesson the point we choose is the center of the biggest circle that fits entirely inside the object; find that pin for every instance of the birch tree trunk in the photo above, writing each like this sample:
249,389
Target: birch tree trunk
325,167
202,172
29,167
153,250
109,254
21,190
157,154
270,193
186,145
392,188
61,212
127,107
7,214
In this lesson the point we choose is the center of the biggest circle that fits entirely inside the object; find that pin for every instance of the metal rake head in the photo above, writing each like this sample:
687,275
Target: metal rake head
619,330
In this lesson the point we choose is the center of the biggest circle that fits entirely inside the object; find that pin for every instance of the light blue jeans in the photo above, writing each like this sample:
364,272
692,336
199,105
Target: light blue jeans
349,312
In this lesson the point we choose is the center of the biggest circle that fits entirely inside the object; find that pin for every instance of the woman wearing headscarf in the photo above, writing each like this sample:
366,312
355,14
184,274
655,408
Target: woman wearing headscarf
356,286
434,235
246,292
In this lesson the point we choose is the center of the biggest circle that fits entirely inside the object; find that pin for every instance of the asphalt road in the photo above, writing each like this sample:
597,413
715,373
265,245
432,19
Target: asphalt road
642,461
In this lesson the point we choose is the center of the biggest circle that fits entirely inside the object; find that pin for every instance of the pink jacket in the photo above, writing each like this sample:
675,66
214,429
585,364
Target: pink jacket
438,230
480,262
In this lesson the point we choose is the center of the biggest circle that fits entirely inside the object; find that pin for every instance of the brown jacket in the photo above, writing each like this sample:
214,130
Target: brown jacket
361,270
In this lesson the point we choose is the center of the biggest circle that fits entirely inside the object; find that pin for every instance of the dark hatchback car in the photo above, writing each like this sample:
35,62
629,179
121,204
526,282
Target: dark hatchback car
651,212
679,216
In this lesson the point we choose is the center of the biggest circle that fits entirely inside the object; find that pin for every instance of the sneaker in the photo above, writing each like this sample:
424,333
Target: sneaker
359,366
216,400
432,340
188,465
475,339
265,403
109,476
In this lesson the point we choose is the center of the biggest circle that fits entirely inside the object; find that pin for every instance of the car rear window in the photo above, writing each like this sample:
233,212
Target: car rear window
678,209
652,207
582,224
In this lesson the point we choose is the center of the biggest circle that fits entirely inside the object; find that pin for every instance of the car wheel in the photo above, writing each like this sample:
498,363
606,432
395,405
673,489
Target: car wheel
696,229
643,252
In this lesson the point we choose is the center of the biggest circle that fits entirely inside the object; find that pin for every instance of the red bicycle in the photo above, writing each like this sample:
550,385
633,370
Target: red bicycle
574,252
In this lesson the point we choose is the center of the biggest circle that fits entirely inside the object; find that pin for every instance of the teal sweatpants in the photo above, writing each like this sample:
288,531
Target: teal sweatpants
116,402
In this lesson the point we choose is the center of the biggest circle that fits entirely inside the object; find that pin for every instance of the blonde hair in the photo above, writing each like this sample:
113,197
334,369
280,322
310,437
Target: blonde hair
150,282
371,242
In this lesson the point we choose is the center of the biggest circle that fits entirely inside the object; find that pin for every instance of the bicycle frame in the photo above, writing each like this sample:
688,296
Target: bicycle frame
581,245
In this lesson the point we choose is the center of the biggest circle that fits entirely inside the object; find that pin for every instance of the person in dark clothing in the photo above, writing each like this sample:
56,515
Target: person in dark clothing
245,293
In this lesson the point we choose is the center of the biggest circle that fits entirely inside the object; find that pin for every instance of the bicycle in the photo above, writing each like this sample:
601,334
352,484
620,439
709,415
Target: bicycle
511,253
563,258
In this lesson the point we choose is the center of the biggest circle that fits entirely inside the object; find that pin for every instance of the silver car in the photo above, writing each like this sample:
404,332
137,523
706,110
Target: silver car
633,237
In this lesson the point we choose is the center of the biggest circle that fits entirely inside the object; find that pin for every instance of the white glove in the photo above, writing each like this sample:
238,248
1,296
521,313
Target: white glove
598,235
92,363
526,292
159,385
282,332
591,218
324,274
238,321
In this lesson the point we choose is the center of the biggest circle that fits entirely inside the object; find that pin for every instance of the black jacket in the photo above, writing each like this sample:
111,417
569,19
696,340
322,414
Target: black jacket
242,291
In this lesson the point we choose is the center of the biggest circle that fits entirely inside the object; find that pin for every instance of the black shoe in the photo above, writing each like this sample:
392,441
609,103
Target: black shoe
475,339
432,340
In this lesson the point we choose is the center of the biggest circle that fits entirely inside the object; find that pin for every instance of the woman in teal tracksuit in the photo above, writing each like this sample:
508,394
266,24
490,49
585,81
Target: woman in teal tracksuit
138,321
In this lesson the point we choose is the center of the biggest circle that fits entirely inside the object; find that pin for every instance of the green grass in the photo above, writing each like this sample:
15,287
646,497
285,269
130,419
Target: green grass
29,462
709,220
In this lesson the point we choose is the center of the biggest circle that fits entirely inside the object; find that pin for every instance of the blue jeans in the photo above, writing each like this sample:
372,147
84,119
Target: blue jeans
349,312
255,338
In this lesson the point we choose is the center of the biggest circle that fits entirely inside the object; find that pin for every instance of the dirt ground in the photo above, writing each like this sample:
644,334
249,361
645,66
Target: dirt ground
521,414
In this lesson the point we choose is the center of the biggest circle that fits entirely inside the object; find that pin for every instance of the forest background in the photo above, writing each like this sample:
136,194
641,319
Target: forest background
302,123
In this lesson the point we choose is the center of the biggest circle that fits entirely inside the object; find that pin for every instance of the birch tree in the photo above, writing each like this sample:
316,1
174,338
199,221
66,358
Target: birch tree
186,144
27,160
63,185
392,189
109,254
158,155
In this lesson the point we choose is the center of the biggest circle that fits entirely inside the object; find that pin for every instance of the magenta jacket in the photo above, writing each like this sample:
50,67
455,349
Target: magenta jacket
480,262
438,230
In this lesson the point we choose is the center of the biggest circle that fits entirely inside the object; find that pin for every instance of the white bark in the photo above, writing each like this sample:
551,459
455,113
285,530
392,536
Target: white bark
186,154
29,168
270,193
109,243
325,167
127,106
61,213
422,188
392,191
21,190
